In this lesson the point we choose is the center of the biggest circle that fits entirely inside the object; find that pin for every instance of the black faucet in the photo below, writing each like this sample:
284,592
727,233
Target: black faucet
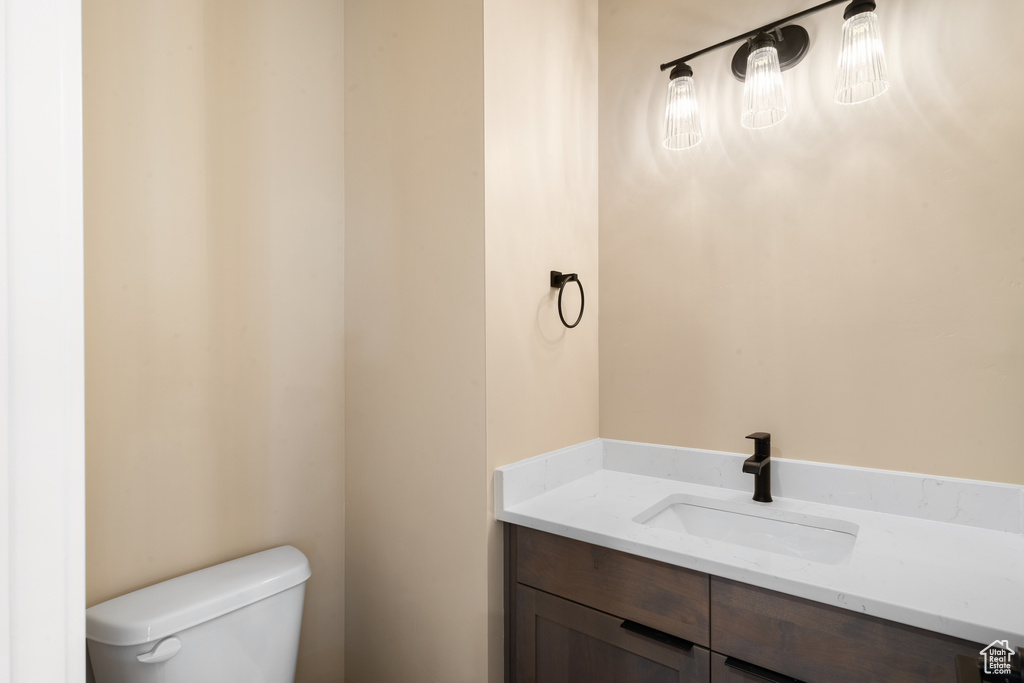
760,465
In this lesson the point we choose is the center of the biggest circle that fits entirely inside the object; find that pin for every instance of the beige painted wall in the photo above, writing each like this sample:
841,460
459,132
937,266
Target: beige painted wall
416,573
541,191
851,280
540,118
214,295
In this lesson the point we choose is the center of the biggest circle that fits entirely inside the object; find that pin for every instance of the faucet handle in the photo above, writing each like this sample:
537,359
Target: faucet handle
762,443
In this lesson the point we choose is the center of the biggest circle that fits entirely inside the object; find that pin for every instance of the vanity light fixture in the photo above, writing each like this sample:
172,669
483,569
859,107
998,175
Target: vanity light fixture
682,116
759,62
862,73
764,96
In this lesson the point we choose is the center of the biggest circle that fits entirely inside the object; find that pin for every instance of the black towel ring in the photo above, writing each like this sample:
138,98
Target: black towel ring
559,280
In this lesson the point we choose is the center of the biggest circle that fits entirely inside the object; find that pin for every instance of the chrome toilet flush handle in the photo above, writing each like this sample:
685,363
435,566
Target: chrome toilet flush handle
164,650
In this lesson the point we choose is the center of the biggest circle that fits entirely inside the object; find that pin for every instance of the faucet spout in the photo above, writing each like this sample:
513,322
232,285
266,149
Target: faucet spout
755,463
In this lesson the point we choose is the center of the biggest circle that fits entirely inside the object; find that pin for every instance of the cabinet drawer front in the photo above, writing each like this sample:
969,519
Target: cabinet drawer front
722,671
658,595
814,642
562,642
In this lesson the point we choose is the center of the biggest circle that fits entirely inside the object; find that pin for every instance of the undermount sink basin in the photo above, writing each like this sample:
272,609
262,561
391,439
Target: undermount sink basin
755,525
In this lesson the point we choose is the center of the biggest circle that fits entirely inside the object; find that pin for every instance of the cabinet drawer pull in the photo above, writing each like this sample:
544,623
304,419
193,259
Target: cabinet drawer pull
760,672
655,634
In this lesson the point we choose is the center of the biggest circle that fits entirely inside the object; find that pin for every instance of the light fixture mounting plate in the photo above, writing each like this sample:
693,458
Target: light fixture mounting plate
792,47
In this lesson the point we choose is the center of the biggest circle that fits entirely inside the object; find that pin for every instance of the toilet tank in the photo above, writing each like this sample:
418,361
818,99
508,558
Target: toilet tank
236,622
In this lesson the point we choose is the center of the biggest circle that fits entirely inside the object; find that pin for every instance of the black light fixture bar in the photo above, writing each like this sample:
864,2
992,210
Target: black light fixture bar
750,34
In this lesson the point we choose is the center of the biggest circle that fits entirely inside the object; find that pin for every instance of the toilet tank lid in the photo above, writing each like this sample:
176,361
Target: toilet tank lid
166,608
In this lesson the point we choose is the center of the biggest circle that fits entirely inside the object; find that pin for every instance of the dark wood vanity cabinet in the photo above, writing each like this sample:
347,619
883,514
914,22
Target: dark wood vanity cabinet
576,612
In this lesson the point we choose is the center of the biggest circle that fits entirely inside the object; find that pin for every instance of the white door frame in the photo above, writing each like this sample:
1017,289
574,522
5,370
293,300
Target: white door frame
42,399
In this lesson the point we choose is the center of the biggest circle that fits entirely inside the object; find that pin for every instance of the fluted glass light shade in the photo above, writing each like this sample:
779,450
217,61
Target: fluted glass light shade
862,72
682,116
764,96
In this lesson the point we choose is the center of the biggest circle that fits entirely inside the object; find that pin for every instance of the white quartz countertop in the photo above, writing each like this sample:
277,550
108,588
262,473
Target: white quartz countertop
937,553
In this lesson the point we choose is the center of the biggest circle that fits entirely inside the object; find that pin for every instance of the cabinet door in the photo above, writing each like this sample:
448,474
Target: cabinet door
558,641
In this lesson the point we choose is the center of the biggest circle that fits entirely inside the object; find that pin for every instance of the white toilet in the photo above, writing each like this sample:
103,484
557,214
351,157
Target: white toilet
236,622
